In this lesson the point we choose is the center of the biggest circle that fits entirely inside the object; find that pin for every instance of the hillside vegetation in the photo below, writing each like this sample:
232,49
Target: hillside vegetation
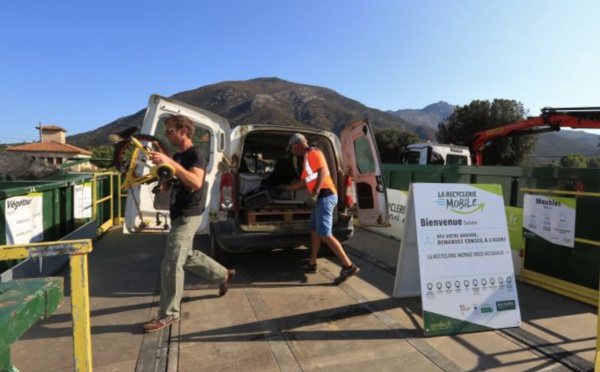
276,101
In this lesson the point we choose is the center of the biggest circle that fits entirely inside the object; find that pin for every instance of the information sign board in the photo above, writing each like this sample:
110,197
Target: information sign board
24,219
550,218
457,237
82,206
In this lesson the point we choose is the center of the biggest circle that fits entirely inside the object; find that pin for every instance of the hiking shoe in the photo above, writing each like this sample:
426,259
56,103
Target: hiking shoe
225,286
159,323
309,268
346,273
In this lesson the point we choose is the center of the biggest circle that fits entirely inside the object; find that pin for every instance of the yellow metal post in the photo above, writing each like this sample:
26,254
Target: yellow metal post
95,198
110,198
597,359
80,309
119,198
80,302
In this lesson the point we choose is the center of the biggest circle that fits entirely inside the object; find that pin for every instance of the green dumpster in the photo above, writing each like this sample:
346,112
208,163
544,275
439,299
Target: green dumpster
40,210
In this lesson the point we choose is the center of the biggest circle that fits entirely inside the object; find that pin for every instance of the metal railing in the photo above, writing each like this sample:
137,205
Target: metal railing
77,250
106,193
578,292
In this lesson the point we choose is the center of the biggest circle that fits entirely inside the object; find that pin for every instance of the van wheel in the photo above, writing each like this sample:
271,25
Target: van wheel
219,254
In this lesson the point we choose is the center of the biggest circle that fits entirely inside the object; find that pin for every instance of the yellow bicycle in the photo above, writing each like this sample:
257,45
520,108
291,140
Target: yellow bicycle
132,152
131,157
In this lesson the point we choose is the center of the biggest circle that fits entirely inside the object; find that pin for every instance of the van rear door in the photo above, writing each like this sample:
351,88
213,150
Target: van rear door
362,161
213,134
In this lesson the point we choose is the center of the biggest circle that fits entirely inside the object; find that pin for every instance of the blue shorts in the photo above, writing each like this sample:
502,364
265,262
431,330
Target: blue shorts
321,218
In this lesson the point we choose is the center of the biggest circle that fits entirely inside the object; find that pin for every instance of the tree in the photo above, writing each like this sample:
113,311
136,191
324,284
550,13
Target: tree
593,162
392,143
552,164
573,161
460,127
102,152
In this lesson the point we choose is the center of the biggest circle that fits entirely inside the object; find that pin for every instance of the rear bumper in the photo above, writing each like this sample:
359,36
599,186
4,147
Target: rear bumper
232,239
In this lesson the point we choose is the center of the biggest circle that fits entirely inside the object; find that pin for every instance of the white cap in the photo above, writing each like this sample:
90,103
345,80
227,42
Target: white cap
296,138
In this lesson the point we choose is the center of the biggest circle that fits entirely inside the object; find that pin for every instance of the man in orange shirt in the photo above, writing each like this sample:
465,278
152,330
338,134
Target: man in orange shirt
323,194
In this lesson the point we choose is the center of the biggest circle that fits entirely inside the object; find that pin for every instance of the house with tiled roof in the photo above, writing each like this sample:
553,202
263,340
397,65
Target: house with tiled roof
52,147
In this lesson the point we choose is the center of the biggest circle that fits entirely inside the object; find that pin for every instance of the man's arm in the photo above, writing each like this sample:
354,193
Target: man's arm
193,178
293,186
320,180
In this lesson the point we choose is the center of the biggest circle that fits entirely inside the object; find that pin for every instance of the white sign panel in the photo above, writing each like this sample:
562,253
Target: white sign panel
397,207
82,204
459,236
550,218
24,219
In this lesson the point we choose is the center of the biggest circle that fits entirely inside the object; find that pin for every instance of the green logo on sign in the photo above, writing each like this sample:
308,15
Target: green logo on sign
479,208
486,308
440,325
506,305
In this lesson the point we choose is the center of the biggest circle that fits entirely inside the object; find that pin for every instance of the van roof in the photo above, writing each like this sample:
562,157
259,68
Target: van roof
435,144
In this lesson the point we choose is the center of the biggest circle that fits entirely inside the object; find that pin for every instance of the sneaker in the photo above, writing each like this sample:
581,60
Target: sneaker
225,286
158,323
346,273
307,267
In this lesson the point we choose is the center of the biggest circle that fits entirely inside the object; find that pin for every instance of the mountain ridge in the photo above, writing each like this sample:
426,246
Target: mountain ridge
268,100
431,115
274,100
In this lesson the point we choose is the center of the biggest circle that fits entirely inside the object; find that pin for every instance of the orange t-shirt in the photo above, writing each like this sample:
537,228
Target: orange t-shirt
313,161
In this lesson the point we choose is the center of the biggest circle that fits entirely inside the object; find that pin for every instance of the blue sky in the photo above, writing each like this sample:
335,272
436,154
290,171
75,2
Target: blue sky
81,65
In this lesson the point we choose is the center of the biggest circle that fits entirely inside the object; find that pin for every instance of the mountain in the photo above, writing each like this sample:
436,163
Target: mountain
430,116
270,101
276,101
552,146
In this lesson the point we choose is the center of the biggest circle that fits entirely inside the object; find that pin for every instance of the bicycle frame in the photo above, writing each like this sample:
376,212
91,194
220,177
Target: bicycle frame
162,172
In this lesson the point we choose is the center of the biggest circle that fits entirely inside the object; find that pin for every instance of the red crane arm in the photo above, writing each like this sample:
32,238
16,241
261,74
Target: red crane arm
551,120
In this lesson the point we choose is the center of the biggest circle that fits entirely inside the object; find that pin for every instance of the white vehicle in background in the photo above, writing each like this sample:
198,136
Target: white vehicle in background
436,153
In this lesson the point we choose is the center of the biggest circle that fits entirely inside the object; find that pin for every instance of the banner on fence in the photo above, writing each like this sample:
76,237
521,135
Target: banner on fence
24,219
82,206
550,218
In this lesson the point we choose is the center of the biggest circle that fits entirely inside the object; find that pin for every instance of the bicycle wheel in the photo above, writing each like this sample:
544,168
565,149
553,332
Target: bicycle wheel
124,149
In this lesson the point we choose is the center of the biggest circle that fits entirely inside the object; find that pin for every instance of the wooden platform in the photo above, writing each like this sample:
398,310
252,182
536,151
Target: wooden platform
276,215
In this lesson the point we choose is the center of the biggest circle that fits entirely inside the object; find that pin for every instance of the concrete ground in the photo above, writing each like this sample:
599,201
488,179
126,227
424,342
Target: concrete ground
276,318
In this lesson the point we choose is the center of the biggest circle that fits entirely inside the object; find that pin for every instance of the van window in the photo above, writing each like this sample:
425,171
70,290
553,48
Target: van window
437,159
364,158
413,157
456,160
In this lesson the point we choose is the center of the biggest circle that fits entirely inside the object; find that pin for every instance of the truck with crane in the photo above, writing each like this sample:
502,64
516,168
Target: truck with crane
551,120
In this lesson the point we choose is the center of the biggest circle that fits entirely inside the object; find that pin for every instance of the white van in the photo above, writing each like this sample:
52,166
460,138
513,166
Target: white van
244,211
437,153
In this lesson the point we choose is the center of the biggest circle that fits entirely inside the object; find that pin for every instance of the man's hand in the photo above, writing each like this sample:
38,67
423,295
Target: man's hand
159,158
312,200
